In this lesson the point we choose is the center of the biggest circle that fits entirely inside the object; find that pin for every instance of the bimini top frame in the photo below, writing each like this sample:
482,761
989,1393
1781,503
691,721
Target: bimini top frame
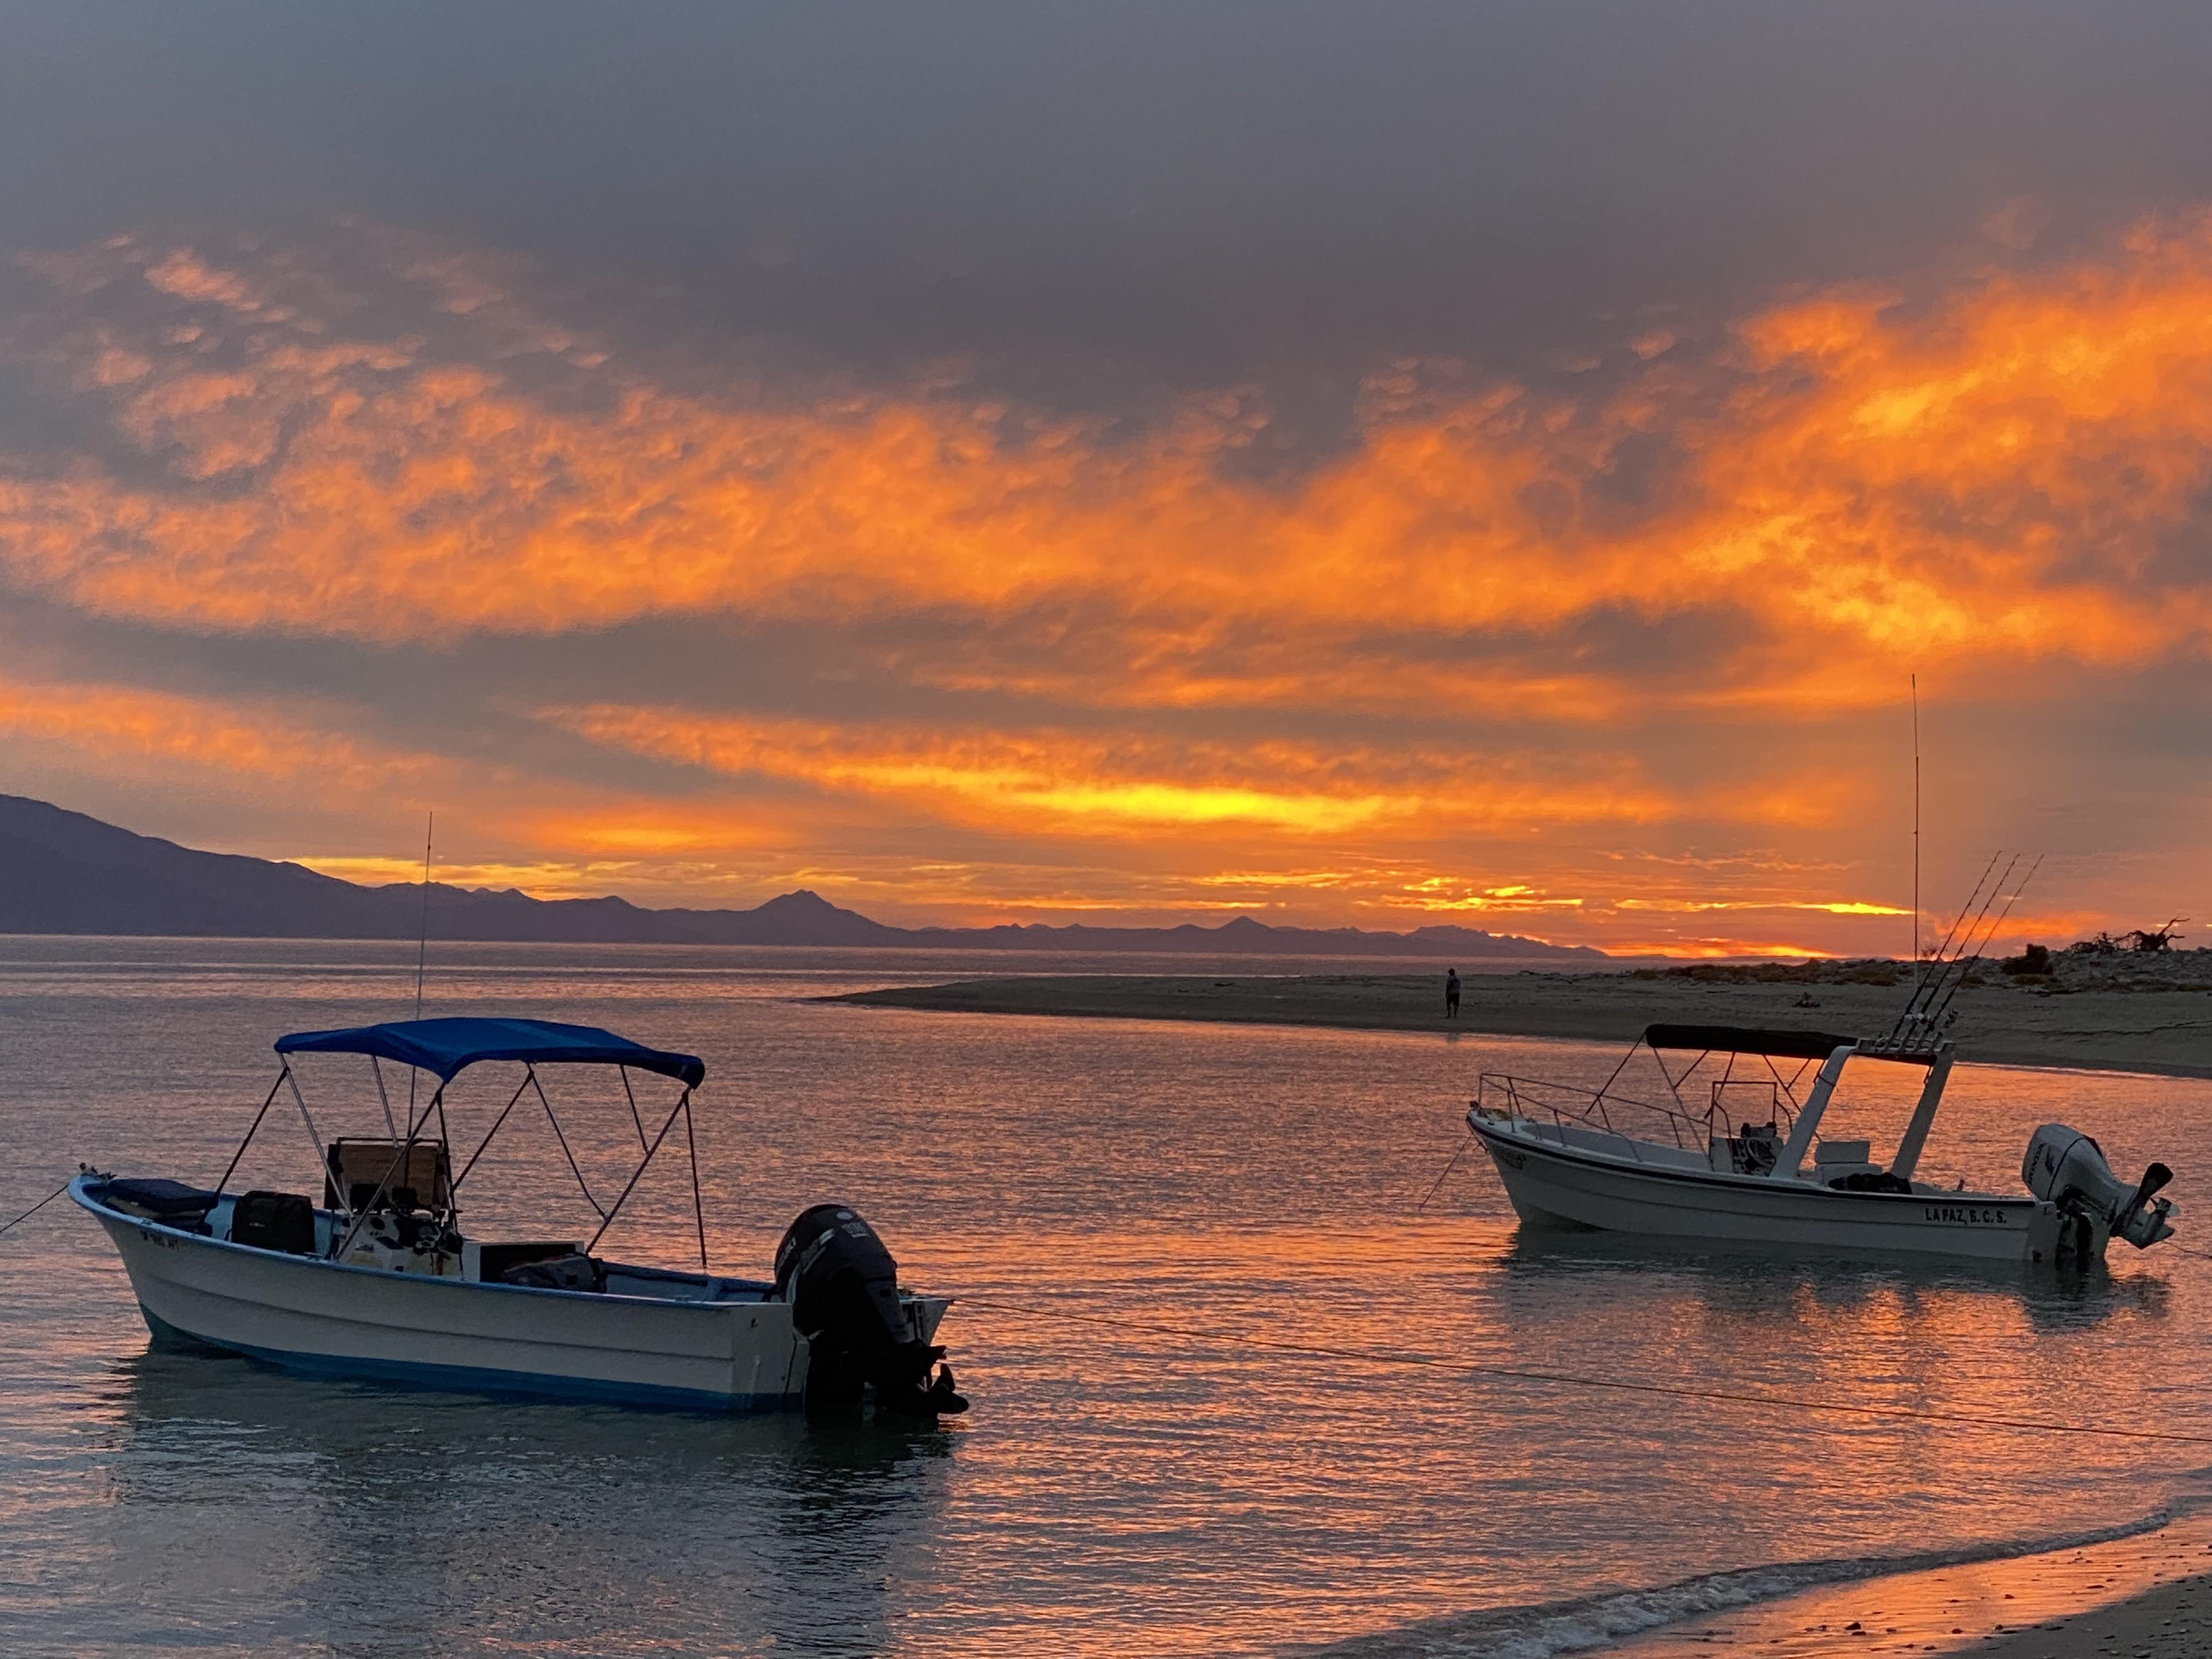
1832,1051
1767,1044
445,1047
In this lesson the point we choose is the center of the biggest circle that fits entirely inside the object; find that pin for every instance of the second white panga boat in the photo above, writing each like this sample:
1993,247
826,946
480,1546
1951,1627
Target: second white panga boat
1708,1170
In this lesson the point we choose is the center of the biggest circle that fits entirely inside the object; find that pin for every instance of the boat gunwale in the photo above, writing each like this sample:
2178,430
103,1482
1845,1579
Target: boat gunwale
1718,1178
92,1207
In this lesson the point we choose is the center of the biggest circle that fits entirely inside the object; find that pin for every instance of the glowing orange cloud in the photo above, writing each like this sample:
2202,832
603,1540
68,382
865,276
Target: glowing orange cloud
1084,782
1391,684
116,723
1987,475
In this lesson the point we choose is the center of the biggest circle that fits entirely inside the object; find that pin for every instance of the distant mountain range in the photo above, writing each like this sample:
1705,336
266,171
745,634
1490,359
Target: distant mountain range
63,872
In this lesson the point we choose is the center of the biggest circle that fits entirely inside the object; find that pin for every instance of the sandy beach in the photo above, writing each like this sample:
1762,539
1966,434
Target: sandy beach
2106,1014
2174,1621
2143,1595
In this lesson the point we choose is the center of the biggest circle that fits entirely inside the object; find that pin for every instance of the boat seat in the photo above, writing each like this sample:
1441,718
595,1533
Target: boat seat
578,1271
158,1199
274,1221
496,1261
356,1167
1853,1152
1870,1181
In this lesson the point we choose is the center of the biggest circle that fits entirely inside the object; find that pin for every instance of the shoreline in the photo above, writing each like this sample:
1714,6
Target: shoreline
2157,1029
2146,1594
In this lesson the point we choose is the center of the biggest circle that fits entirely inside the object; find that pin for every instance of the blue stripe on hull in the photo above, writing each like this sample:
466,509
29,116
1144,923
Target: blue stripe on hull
473,1379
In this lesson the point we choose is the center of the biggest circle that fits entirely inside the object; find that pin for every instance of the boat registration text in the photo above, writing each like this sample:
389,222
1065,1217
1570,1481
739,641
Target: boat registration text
1967,1215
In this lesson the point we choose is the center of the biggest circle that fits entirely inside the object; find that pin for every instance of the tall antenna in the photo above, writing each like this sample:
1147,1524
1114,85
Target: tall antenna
422,953
1915,681
424,945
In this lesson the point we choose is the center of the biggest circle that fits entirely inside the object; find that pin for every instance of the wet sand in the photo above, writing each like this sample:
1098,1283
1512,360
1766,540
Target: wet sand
2174,1621
2142,1596
2134,1018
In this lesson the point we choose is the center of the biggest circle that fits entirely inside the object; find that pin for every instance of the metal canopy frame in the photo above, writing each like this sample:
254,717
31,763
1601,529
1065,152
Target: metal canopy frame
1799,1118
435,1105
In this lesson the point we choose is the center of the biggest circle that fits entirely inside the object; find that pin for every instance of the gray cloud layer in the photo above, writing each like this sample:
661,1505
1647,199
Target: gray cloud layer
1190,193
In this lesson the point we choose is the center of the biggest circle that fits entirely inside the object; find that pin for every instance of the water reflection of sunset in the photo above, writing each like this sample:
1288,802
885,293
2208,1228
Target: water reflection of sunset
1236,1459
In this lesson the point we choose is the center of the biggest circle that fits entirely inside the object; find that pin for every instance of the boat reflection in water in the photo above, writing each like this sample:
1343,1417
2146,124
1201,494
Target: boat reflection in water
461,1523
1739,1282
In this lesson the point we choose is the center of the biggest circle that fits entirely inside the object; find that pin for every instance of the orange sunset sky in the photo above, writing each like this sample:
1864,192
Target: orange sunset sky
1496,467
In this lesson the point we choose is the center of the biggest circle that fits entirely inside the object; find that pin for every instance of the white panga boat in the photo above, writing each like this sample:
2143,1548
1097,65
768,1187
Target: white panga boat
380,1279
1711,1169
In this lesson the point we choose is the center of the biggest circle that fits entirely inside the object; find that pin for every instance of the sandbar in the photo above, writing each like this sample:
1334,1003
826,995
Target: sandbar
2129,1015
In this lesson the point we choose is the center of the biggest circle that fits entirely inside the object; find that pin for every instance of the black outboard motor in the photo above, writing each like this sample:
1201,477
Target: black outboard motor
842,1286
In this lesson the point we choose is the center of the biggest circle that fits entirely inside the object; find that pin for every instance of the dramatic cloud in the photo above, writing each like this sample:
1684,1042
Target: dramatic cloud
1073,782
143,728
1509,636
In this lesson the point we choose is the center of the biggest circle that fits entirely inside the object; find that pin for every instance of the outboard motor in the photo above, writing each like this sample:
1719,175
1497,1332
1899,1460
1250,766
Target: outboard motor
2067,1168
842,1286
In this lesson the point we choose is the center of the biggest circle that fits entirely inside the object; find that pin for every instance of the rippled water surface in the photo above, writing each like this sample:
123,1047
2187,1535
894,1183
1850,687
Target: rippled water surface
1148,1224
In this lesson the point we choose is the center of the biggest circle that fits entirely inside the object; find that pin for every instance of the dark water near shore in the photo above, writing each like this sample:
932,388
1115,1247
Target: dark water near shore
1120,1205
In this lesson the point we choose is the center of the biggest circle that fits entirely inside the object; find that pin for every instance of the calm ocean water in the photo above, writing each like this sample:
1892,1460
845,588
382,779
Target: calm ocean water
1124,1206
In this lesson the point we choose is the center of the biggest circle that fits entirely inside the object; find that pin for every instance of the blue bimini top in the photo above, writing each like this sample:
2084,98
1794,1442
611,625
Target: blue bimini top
445,1045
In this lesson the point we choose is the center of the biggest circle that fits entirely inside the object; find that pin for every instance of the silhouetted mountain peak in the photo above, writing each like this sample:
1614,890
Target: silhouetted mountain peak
800,901
63,872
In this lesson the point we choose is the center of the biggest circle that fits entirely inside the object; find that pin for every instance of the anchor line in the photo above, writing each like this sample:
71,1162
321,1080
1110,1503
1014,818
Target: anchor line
1621,1385
40,1204
1437,1186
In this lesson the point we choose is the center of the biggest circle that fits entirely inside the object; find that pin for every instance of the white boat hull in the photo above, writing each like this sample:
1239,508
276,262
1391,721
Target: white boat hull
311,1314
1550,1184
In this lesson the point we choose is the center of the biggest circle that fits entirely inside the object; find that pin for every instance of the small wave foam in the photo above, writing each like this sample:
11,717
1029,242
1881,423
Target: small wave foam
1551,1629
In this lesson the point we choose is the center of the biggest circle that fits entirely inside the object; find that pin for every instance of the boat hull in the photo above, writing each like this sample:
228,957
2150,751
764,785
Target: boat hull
1554,1185
316,1316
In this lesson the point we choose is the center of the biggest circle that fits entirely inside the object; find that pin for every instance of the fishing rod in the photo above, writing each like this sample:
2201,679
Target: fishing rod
1915,838
1977,936
1952,933
1952,974
1943,951
1994,928
1916,1011
1990,898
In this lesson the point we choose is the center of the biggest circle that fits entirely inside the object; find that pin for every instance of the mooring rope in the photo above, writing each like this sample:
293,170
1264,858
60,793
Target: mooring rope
1514,1374
1437,1186
40,1204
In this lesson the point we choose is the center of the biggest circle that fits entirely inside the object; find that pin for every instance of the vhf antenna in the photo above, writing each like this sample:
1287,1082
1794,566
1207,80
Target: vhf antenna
422,953
422,947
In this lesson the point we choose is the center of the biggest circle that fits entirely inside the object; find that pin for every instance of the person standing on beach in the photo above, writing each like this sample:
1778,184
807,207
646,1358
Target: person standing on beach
1451,993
